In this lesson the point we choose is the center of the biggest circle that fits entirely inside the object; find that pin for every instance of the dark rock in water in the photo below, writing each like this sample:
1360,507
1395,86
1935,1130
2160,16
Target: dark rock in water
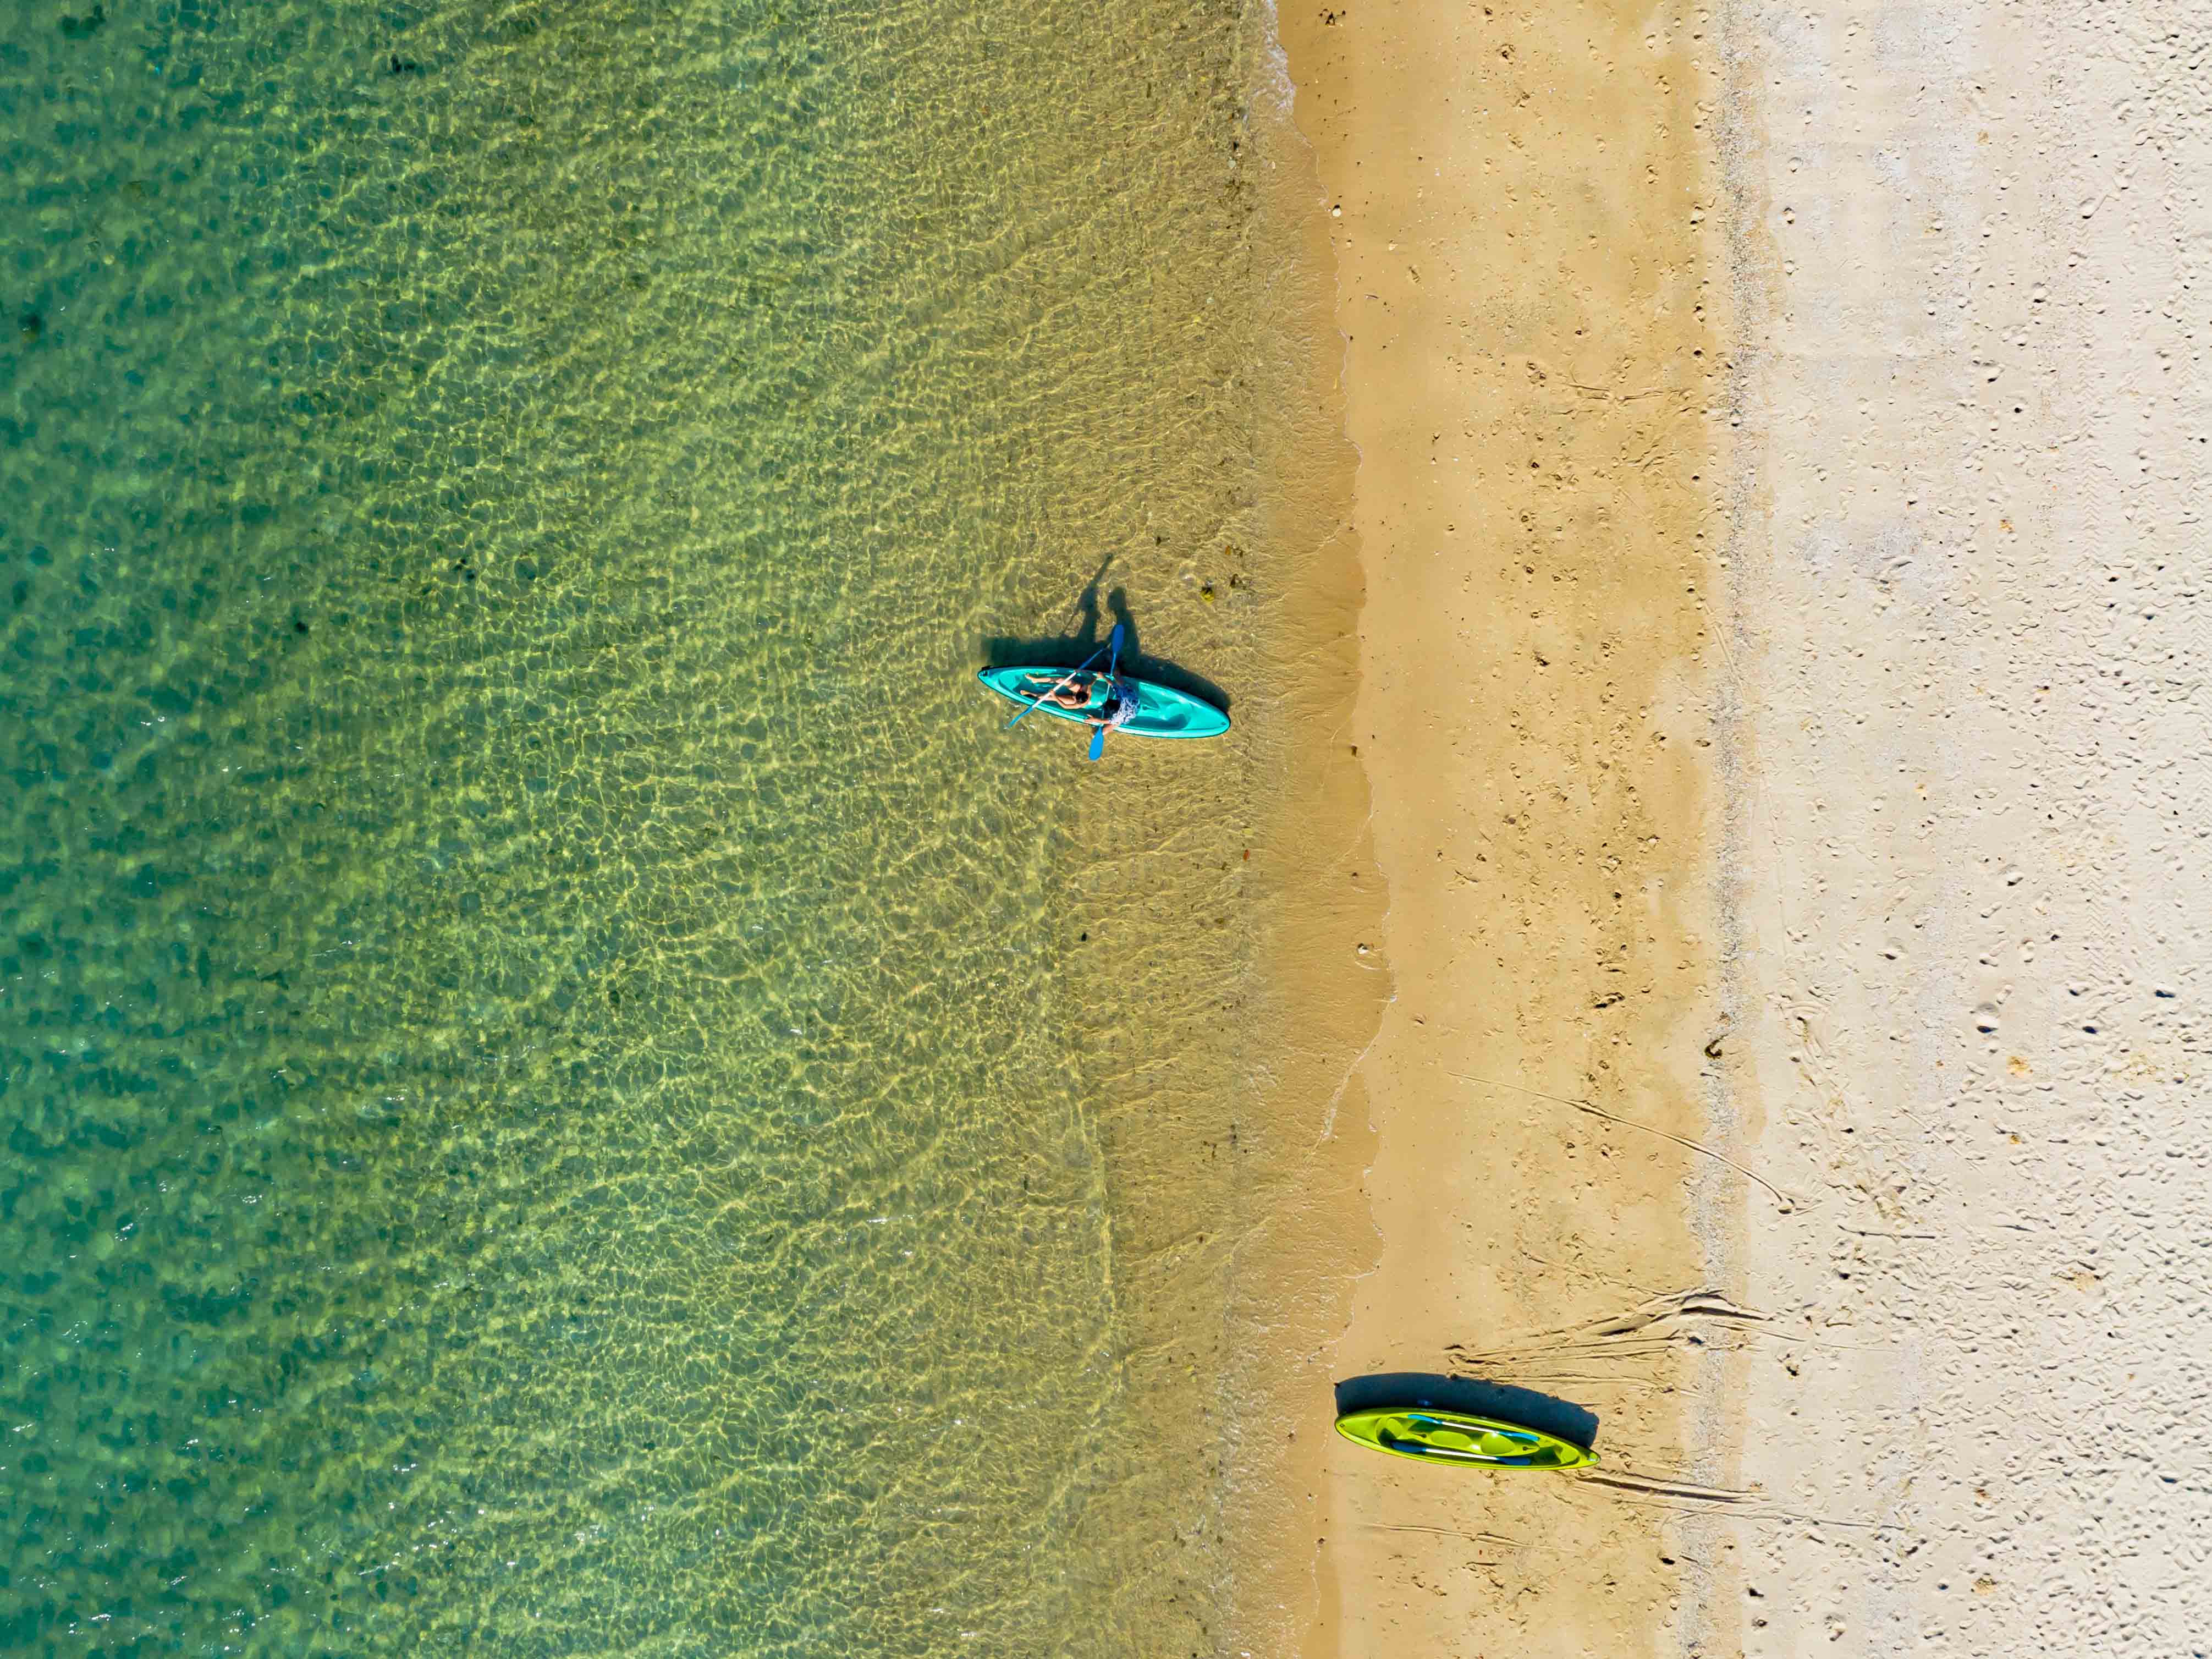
31,327
81,28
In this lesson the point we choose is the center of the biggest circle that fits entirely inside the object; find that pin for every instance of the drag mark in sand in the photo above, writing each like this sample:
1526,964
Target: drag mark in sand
1608,1352
1666,1491
1685,1492
1849,1154
1785,1204
1634,1332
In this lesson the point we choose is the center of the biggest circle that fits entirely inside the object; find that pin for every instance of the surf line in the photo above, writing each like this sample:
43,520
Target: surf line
1596,1110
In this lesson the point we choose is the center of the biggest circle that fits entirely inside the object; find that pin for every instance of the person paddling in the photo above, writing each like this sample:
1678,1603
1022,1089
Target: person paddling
1073,694
1120,705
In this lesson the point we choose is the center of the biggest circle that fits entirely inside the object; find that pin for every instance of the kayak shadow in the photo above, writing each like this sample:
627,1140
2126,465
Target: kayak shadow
1472,1395
1070,650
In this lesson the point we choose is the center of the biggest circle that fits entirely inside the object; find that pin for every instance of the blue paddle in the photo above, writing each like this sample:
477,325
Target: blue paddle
1113,644
1098,731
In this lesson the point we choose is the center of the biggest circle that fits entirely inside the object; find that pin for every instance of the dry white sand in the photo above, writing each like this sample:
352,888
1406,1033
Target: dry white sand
1969,834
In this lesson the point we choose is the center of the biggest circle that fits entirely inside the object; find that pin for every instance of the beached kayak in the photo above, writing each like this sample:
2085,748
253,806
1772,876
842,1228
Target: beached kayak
1162,711
1437,1437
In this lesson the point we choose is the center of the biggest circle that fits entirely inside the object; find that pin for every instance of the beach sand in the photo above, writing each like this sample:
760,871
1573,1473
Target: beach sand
1781,435
1975,911
1527,285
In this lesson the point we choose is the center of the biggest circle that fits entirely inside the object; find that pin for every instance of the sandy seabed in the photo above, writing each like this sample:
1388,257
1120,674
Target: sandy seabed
1782,433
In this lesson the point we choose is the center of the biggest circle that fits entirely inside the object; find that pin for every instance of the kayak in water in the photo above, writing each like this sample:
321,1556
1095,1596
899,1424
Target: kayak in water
1437,1437
1117,702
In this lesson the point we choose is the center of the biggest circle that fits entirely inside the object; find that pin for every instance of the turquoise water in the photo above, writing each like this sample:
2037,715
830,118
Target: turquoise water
548,1106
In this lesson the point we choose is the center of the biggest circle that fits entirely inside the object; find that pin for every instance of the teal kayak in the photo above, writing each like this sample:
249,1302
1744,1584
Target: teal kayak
1162,711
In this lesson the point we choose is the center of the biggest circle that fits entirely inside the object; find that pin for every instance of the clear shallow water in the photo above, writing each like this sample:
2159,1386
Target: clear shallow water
558,1093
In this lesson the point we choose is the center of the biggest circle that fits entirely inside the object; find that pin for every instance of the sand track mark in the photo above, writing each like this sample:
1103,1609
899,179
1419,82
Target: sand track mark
1784,1201
1847,1152
1651,1328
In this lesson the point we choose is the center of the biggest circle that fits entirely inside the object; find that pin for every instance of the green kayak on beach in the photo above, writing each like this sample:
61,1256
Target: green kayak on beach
1436,1436
1162,711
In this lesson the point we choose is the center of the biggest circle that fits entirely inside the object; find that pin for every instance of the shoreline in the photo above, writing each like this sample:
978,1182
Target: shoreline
1529,318
1304,1232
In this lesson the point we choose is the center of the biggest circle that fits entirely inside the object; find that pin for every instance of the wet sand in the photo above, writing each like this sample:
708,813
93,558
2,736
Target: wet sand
1522,223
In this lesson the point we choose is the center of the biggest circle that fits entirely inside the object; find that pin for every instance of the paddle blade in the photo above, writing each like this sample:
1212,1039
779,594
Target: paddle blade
1097,741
